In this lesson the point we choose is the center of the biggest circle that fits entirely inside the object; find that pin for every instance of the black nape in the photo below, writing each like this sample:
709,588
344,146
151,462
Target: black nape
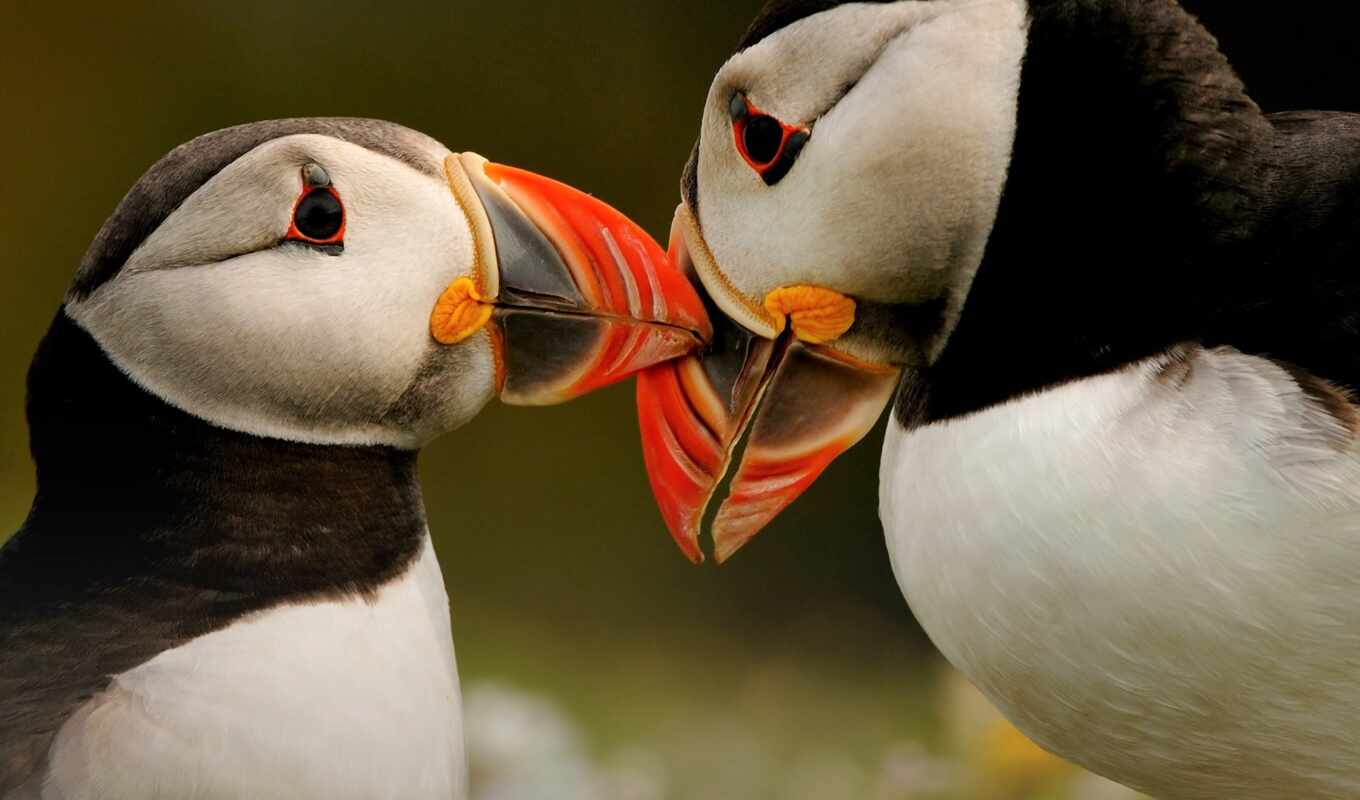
1151,203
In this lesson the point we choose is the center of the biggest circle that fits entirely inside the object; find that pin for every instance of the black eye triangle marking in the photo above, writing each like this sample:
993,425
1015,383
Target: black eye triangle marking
792,148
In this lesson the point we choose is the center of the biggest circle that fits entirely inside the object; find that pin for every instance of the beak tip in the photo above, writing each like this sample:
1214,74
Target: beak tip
727,542
687,539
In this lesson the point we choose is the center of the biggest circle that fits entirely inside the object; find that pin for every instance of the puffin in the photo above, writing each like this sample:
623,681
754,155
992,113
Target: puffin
1115,310
225,587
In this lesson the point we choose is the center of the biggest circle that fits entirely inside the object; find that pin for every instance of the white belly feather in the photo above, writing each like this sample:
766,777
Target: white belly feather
347,699
1155,573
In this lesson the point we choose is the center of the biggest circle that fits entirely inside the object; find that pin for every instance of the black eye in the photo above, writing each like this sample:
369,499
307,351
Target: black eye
763,137
769,146
319,217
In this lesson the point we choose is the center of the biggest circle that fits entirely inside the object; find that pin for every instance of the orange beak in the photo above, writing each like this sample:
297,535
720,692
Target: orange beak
799,406
577,295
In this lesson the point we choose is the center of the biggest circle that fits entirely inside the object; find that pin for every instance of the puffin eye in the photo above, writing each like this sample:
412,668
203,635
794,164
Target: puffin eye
763,137
768,145
318,215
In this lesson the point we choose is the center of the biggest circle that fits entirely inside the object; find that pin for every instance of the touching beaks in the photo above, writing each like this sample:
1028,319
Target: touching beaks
576,296
799,403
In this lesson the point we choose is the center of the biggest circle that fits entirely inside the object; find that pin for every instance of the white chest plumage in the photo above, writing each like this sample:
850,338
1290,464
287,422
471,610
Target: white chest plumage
1155,573
342,699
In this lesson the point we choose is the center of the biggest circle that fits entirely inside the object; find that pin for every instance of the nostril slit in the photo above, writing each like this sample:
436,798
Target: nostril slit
763,137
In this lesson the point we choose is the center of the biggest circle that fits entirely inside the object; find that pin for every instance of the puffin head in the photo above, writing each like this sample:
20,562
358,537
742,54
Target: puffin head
348,281
849,169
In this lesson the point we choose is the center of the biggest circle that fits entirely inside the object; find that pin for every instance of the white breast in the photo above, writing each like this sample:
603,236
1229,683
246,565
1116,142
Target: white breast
1155,573
344,699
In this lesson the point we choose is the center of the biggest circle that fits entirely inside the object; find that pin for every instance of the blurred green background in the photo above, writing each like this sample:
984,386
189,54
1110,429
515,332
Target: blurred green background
796,671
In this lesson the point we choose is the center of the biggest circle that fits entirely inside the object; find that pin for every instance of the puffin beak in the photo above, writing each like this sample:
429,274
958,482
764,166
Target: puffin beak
575,295
799,404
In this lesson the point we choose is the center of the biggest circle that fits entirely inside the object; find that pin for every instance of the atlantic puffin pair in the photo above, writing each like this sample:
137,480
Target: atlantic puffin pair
225,587
1118,308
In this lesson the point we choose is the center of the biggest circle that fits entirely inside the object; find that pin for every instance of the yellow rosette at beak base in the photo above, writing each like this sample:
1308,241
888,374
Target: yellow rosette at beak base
815,314
459,313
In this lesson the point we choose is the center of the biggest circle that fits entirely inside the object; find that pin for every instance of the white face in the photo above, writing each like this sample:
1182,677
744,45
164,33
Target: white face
912,112
220,317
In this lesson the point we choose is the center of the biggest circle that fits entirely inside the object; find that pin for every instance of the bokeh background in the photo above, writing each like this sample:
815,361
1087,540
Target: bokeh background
599,664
